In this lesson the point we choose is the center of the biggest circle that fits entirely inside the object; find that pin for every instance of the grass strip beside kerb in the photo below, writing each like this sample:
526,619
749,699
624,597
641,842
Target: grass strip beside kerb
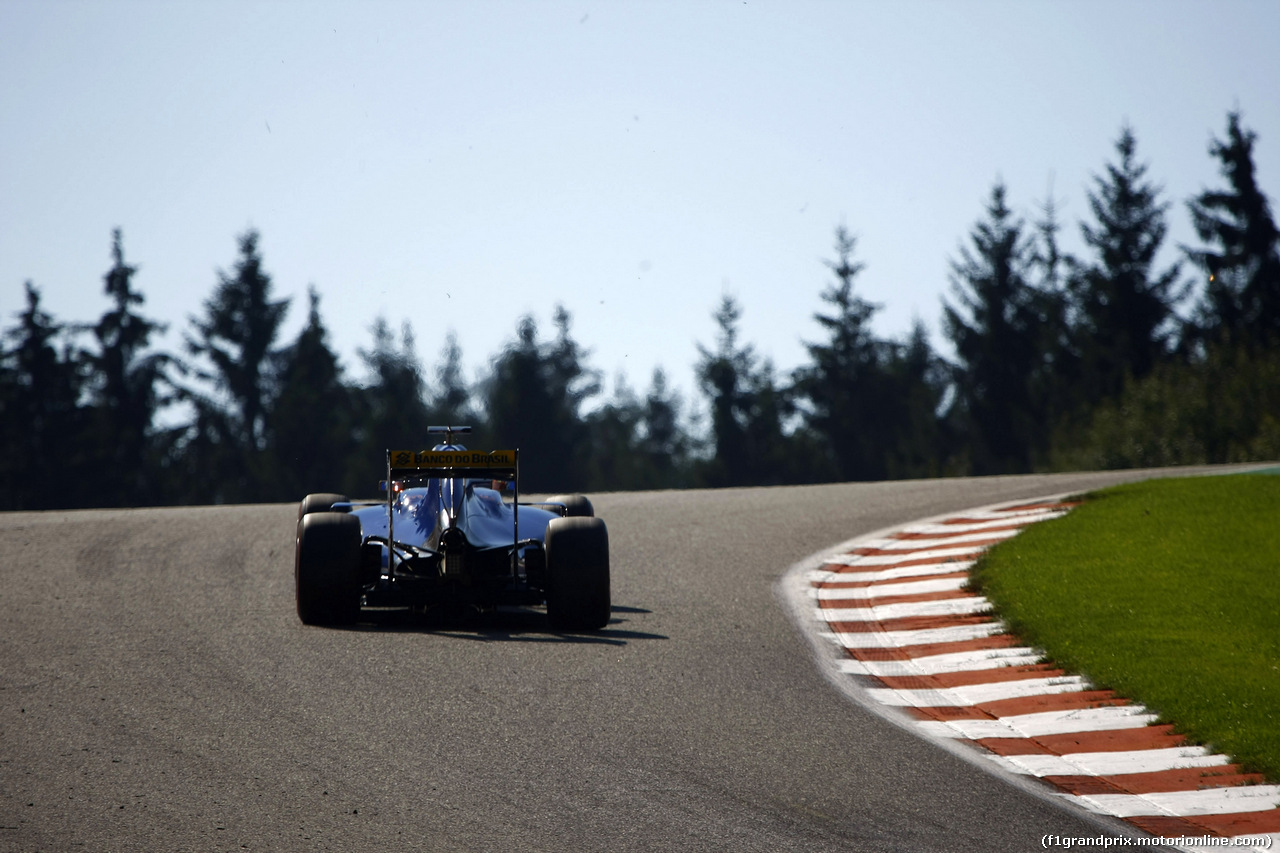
1166,591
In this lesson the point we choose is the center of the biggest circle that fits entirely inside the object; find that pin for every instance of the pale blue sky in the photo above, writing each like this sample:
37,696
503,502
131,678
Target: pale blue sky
461,164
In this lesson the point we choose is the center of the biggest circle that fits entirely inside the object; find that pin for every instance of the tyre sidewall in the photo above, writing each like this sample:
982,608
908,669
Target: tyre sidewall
576,506
327,568
578,595
319,502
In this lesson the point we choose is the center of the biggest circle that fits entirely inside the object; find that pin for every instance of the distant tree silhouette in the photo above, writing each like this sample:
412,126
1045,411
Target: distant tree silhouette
1125,307
451,403
848,393
778,453
724,374
236,336
1056,383
614,462
995,326
126,387
44,428
663,443
915,442
517,402
1242,262
1219,400
395,409
1221,406
571,382
312,423
1088,350
534,398
748,413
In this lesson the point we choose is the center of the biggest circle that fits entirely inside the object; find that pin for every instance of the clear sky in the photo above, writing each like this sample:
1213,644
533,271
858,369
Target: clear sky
460,164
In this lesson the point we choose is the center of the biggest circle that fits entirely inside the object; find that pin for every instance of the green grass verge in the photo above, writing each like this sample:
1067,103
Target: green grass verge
1167,592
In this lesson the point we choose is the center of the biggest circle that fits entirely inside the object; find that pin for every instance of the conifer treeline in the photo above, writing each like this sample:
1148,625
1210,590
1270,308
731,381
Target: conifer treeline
1104,360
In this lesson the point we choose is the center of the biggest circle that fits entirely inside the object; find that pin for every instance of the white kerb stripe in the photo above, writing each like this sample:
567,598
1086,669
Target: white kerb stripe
922,637
923,542
938,555
884,575
1105,718
1240,798
940,529
878,613
965,729
1117,763
1038,514
955,662
887,589
975,694
1043,723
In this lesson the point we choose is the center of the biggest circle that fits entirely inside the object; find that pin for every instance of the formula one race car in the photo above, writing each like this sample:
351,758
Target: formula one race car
446,539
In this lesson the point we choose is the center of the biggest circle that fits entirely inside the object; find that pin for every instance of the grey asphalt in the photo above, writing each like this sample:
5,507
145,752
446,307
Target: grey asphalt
157,692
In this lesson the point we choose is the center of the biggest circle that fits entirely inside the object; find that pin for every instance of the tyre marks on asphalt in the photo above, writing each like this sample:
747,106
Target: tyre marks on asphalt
914,638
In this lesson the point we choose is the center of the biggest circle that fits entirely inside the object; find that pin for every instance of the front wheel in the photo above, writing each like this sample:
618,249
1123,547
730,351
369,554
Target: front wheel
319,502
576,506
578,574
326,568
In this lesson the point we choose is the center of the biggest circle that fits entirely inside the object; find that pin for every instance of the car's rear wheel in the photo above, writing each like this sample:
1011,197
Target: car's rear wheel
319,502
577,506
577,574
327,568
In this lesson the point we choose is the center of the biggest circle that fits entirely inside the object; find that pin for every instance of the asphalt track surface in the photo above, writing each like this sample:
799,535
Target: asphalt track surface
157,692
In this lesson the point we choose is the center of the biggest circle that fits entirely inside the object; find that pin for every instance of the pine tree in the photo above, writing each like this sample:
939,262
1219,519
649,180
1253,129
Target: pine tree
1242,263
41,421
749,412
776,454
1055,383
914,443
614,461
396,415
995,328
236,336
571,383
1126,307
846,387
663,444
724,376
452,401
517,404
126,384
311,423
534,398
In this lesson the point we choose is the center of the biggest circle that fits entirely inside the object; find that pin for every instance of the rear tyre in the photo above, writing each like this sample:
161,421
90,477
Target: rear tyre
327,568
319,502
577,506
577,574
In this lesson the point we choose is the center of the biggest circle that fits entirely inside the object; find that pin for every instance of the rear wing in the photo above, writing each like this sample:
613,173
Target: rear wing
450,464
494,464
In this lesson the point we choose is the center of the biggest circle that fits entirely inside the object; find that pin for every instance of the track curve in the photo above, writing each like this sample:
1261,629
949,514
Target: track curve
158,692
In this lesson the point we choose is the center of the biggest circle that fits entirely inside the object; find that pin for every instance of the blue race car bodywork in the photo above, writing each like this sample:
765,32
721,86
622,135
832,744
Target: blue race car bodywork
447,536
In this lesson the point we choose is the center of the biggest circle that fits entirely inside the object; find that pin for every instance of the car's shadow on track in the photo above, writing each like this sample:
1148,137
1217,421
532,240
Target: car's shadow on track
504,625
